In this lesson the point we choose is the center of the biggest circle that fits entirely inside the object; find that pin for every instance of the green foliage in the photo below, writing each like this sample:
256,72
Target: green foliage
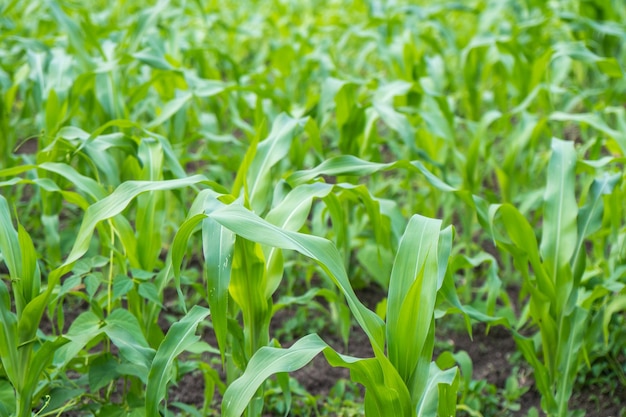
263,158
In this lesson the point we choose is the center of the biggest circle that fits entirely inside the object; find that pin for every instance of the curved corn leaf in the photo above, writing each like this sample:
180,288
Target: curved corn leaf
596,122
116,203
383,396
9,245
590,219
431,401
8,337
523,237
290,214
266,362
179,337
268,153
351,165
86,184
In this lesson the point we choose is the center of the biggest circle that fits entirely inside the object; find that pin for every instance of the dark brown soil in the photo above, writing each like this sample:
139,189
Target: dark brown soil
27,146
318,377
494,358
490,352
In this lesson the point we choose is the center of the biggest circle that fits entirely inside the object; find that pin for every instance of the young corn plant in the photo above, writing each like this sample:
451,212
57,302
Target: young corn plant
401,378
26,354
552,272
23,355
241,275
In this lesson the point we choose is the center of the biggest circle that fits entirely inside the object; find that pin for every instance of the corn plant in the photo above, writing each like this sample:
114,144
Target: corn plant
22,363
24,356
399,380
555,305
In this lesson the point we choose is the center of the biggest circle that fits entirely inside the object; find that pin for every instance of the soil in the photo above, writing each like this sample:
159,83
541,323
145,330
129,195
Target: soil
27,146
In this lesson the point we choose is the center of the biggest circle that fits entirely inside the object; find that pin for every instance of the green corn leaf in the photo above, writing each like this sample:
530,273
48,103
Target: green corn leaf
412,293
590,219
247,288
72,29
290,214
477,146
266,362
559,234
208,88
383,396
150,58
351,165
40,360
385,392
616,304
374,214
115,204
50,186
184,232
81,182
397,122
339,219
31,277
170,108
429,403
541,374
179,338
179,247
596,122
124,230
446,236
340,165
8,337
448,291
578,51
150,207
218,246
268,153
9,244
241,179
146,19
523,236
573,328
560,211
